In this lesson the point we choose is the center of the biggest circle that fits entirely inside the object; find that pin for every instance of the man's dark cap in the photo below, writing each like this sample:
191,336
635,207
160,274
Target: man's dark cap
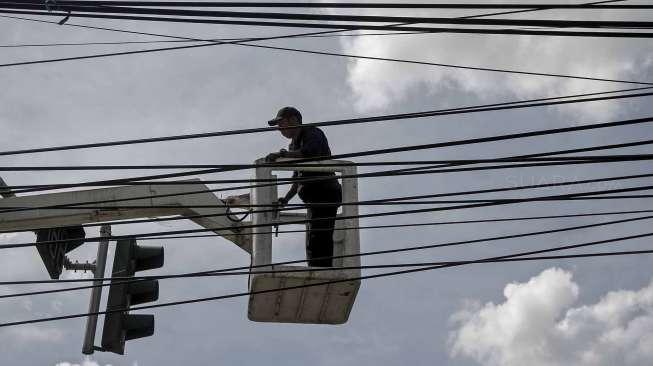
285,112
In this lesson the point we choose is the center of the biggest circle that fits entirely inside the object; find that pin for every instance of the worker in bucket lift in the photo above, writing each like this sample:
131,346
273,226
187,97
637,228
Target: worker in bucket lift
322,196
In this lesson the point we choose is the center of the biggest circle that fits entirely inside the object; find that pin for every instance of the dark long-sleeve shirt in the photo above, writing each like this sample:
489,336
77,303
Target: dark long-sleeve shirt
313,143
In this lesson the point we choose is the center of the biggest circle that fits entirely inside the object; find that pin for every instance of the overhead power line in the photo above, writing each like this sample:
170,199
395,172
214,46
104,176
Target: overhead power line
345,217
300,206
359,26
361,254
217,39
420,224
547,153
388,173
250,186
360,227
365,277
421,170
444,65
437,195
380,118
105,10
300,35
327,269
354,5
211,43
372,152
113,43
186,39
268,182
242,42
426,163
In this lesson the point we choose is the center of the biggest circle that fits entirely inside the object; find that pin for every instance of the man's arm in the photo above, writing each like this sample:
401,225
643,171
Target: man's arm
293,154
295,186
283,153
315,145
291,192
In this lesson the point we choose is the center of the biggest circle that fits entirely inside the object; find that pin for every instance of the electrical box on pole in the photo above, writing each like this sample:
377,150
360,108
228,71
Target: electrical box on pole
119,325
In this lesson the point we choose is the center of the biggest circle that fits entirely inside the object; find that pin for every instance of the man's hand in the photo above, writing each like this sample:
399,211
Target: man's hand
282,201
274,156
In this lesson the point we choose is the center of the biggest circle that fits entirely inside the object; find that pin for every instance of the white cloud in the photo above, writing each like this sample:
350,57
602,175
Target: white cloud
86,362
537,325
378,85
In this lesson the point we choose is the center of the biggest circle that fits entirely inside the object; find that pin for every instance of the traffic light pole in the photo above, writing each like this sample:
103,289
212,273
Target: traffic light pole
96,293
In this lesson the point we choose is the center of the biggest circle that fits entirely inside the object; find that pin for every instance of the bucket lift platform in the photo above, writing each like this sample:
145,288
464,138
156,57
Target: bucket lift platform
317,304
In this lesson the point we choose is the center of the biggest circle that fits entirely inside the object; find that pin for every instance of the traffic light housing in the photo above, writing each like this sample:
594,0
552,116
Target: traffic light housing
54,254
119,325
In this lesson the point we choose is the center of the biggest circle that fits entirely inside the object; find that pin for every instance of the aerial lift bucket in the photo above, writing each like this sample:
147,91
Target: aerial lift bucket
315,301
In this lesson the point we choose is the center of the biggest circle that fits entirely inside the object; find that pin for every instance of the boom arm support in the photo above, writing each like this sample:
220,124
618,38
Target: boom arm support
177,196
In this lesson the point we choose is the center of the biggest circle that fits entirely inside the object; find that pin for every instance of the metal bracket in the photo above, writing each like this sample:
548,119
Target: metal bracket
69,265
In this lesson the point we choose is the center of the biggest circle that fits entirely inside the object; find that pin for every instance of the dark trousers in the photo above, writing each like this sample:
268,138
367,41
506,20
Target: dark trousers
319,237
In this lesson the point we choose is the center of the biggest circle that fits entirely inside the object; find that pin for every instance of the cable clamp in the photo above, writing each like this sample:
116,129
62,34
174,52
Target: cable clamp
52,5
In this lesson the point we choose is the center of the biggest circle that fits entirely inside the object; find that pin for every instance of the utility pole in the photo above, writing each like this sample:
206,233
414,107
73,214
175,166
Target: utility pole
96,293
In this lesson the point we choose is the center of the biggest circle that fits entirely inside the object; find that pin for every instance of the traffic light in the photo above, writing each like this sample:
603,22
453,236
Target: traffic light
54,254
120,326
